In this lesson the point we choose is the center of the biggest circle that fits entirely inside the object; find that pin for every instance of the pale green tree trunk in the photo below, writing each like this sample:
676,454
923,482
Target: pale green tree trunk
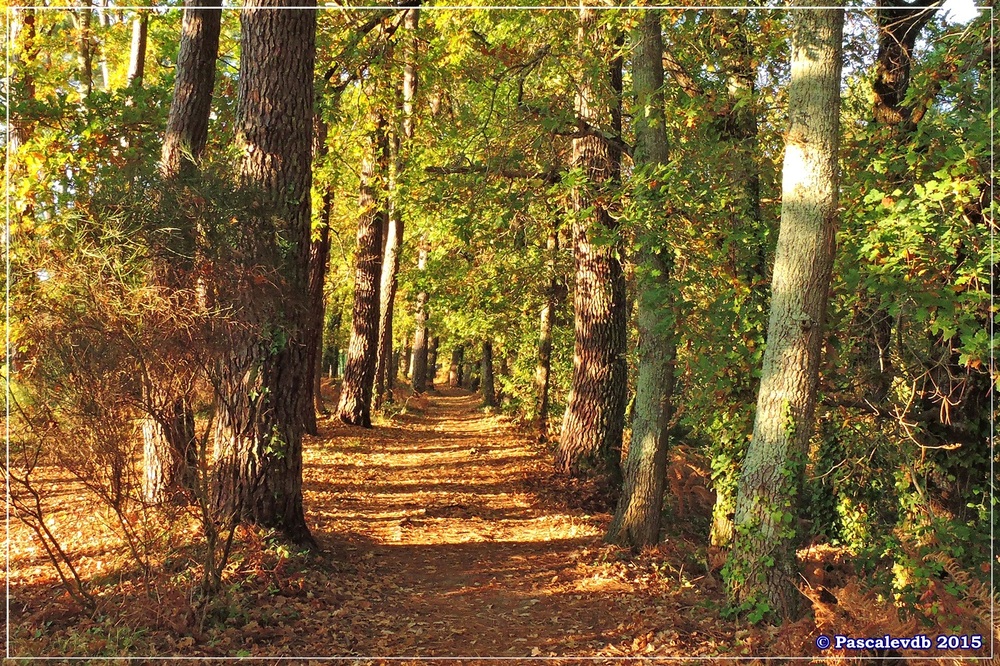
761,570
637,519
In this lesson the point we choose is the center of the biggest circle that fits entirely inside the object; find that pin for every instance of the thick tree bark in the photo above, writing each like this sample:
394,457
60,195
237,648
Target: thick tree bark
636,522
418,373
187,124
455,371
359,373
543,368
137,55
591,435
170,455
761,568
488,385
264,375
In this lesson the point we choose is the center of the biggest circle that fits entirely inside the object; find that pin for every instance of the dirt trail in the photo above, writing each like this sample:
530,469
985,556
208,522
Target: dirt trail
458,553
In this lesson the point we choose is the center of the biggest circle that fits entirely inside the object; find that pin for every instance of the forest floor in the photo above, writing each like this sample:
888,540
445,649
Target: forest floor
443,532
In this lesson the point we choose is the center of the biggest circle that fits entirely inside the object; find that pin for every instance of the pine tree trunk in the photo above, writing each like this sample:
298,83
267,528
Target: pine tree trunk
762,567
137,55
359,373
488,385
636,522
264,375
543,369
170,452
591,436
187,124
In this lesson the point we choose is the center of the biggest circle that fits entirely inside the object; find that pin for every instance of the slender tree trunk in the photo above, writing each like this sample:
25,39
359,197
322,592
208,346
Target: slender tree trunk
187,124
264,375
359,374
394,234
137,56
762,567
544,367
169,448
86,55
24,57
432,353
319,256
636,522
407,358
419,365
488,385
390,270
455,372
591,436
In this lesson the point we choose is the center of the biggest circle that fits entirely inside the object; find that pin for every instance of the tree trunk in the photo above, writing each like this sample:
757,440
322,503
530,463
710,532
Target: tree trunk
319,256
407,358
137,56
591,435
543,369
394,234
432,353
488,386
23,57
749,269
455,372
359,374
418,375
899,24
86,54
636,522
187,124
761,568
389,283
264,375
170,453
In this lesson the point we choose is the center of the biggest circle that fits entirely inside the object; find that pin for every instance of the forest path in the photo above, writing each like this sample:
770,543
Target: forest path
460,545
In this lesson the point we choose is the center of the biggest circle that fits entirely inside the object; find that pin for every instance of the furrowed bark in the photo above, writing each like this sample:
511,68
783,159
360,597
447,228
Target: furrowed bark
265,376
591,436
359,373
